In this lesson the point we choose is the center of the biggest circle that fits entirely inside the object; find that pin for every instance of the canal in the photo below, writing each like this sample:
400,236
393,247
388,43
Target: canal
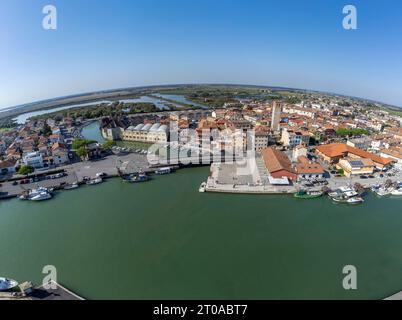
165,240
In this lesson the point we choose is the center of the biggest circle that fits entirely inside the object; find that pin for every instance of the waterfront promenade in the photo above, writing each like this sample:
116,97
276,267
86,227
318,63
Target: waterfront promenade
77,171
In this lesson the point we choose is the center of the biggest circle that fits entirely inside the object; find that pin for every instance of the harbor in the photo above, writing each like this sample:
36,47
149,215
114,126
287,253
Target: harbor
220,239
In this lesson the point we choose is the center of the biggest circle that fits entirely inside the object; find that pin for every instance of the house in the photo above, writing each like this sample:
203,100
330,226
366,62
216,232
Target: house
394,153
334,152
60,154
278,164
361,143
306,169
33,159
353,166
55,138
262,138
7,167
292,138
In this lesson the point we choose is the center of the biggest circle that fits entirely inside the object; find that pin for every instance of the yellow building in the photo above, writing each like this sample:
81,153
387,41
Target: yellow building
356,166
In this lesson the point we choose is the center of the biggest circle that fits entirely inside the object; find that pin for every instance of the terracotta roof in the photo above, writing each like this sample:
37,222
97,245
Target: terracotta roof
276,160
309,168
341,150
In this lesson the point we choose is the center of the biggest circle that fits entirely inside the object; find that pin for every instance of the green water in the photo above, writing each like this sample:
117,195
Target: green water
165,240
92,132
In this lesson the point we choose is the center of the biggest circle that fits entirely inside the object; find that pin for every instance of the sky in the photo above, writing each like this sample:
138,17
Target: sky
109,44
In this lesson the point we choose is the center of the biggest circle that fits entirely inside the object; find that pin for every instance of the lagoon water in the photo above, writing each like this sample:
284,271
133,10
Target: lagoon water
165,240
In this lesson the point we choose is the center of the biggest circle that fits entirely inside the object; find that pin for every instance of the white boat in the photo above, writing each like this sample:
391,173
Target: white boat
71,186
203,187
41,196
7,284
397,192
355,200
162,171
383,192
34,193
95,181
343,193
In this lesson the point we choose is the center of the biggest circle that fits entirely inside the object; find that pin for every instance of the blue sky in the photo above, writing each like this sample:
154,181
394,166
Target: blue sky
107,44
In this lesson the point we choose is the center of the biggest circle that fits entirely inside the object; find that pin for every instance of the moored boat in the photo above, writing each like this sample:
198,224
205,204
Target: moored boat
135,178
303,194
94,181
162,171
397,192
71,186
203,187
41,196
355,200
7,284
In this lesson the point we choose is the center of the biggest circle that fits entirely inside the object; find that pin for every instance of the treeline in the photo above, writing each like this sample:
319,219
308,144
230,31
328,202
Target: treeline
8,123
351,132
101,110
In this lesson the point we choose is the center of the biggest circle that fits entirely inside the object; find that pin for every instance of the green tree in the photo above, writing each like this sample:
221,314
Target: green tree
25,170
108,144
78,143
82,152
46,131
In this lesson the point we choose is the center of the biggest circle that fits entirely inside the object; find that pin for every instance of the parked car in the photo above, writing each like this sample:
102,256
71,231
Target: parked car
363,177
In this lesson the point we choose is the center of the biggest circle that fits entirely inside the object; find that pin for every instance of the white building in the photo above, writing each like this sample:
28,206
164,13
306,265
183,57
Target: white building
146,133
33,159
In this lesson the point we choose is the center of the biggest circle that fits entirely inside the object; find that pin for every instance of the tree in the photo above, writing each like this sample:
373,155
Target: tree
46,131
82,152
108,144
78,143
25,170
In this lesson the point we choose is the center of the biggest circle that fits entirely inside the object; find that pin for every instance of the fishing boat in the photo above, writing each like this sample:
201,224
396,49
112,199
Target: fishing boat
397,192
7,284
355,200
203,187
71,186
135,178
303,194
343,192
41,197
34,193
94,181
162,171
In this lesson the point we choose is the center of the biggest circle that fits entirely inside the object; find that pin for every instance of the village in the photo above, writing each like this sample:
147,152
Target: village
321,144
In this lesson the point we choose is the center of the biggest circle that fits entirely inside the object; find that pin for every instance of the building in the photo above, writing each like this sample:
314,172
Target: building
147,133
361,143
113,128
262,138
278,164
306,169
299,151
292,138
276,116
353,166
393,153
60,154
33,159
7,167
334,152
